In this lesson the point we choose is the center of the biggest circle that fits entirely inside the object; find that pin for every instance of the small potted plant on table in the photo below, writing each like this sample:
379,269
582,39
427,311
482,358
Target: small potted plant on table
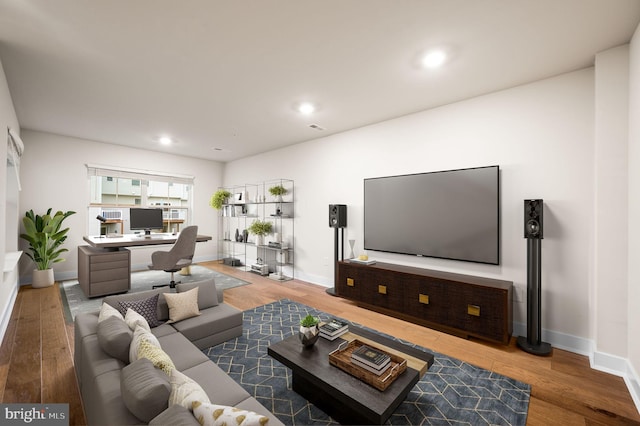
309,330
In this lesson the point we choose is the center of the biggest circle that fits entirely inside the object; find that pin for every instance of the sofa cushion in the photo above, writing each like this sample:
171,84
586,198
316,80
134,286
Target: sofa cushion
222,415
182,352
162,311
218,385
252,404
102,401
175,415
163,330
133,319
114,336
145,389
207,294
185,390
182,305
92,362
156,355
148,308
106,311
140,334
211,321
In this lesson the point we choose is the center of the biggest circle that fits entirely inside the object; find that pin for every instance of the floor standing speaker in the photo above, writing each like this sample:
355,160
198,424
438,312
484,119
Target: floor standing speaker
337,220
533,232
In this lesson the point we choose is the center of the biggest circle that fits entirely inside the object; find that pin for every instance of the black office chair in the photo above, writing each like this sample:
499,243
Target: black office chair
180,255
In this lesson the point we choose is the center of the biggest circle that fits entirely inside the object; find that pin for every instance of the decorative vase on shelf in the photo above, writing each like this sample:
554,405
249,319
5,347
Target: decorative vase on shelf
259,240
352,244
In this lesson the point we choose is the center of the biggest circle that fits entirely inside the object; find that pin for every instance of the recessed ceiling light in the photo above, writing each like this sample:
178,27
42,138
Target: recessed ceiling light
434,59
306,108
165,140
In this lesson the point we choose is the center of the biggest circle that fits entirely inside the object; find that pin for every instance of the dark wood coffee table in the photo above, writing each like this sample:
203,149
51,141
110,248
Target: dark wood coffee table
345,398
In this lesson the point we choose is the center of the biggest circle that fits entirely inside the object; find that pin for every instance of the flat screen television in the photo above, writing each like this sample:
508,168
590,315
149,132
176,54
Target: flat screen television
145,219
453,214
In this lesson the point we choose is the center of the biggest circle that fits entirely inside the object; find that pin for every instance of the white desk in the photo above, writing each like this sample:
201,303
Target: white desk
105,267
134,240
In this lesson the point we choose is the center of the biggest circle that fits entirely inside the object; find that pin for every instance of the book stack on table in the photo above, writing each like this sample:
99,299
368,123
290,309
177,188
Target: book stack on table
333,329
371,359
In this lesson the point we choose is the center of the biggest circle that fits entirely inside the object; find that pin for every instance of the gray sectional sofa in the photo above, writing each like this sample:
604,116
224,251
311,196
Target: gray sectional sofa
100,375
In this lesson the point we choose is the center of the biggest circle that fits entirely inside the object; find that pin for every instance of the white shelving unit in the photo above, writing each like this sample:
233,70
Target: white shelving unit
275,256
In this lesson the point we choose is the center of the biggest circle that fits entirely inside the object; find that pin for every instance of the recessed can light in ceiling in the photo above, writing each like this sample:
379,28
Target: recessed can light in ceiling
165,140
306,108
434,59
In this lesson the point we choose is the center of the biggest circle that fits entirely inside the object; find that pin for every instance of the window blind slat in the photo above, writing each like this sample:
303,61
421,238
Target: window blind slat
118,172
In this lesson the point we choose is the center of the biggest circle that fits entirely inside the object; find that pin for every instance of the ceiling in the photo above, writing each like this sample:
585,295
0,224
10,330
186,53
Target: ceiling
223,78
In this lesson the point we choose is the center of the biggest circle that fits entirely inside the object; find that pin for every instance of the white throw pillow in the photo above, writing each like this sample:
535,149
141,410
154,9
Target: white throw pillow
219,415
185,390
140,334
182,305
106,311
132,318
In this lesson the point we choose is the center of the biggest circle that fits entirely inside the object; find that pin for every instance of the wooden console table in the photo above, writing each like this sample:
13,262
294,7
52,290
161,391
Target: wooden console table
458,304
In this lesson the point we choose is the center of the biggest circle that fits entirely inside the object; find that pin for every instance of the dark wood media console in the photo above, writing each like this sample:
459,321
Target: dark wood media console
459,304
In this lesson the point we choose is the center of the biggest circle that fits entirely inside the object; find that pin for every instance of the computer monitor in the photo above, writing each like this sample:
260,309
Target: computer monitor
145,219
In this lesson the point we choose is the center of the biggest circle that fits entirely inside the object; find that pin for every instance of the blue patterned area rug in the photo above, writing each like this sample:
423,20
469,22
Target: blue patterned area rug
451,392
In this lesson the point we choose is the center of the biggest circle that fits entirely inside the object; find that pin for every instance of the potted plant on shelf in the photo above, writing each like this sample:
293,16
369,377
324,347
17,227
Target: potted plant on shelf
219,198
260,228
278,191
309,330
45,239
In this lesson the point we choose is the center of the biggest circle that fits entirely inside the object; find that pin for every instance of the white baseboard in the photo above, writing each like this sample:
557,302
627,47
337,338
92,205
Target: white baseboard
5,315
633,384
314,279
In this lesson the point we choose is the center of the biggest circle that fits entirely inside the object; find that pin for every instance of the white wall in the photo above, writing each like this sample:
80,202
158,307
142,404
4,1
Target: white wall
611,208
633,300
8,243
54,175
541,135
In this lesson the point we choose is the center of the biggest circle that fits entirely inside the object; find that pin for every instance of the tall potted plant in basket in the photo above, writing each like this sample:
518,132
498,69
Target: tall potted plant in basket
45,240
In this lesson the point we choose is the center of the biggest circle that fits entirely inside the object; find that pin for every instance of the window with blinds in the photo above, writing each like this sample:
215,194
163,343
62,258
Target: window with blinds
114,190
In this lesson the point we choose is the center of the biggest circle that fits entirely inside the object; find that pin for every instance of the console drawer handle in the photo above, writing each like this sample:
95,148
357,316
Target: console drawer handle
382,289
473,310
350,282
423,298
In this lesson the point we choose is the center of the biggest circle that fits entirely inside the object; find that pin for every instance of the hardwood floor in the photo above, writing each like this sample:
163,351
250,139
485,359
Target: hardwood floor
36,363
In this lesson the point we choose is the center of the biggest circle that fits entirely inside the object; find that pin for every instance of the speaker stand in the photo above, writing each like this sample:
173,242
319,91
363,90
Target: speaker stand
533,342
332,290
